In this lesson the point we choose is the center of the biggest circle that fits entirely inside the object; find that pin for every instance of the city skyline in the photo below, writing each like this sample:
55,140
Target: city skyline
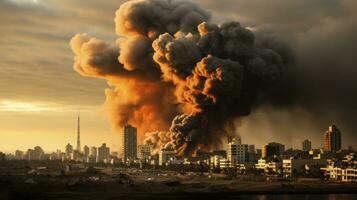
271,164
117,145
129,132
272,158
177,99
47,93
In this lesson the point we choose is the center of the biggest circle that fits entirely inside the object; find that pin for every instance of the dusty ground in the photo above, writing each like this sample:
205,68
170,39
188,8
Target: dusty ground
114,183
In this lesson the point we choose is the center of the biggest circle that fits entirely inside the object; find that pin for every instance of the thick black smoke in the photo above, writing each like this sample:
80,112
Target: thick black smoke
217,73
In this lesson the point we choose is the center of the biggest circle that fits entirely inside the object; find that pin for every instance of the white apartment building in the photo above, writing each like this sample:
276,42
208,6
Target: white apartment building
268,167
237,153
215,161
340,174
291,166
224,163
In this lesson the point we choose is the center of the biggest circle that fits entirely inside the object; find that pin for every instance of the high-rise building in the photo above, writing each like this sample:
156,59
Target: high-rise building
69,150
93,155
129,143
332,139
76,156
237,153
78,135
93,151
252,154
144,151
306,145
38,153
30,154
258,152
85,151
103,153
34,154
272,149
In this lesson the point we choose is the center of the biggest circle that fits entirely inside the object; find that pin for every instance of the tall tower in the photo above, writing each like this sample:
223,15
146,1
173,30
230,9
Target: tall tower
306,145
78,135
129,142
332,139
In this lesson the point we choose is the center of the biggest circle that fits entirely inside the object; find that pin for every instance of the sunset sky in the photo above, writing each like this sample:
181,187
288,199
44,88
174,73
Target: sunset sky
41,95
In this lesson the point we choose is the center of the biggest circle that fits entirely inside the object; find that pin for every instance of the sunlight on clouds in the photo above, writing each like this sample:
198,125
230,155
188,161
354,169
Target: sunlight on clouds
15,106
19,2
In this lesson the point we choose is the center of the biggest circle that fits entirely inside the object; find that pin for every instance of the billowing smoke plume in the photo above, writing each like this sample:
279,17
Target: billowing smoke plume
178,77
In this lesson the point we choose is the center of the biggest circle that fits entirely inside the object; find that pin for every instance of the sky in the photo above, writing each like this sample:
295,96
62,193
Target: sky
41,95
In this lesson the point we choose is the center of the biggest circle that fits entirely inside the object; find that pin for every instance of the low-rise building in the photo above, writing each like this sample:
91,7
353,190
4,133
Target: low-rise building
345,171
166,156
293,167
224,163
261,165
215,161
332,172
144,152
268,167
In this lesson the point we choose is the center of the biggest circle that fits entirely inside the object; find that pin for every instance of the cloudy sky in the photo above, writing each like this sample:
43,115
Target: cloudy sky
41,94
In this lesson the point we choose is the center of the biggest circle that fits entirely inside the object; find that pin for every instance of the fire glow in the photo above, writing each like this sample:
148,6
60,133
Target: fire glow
178,77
